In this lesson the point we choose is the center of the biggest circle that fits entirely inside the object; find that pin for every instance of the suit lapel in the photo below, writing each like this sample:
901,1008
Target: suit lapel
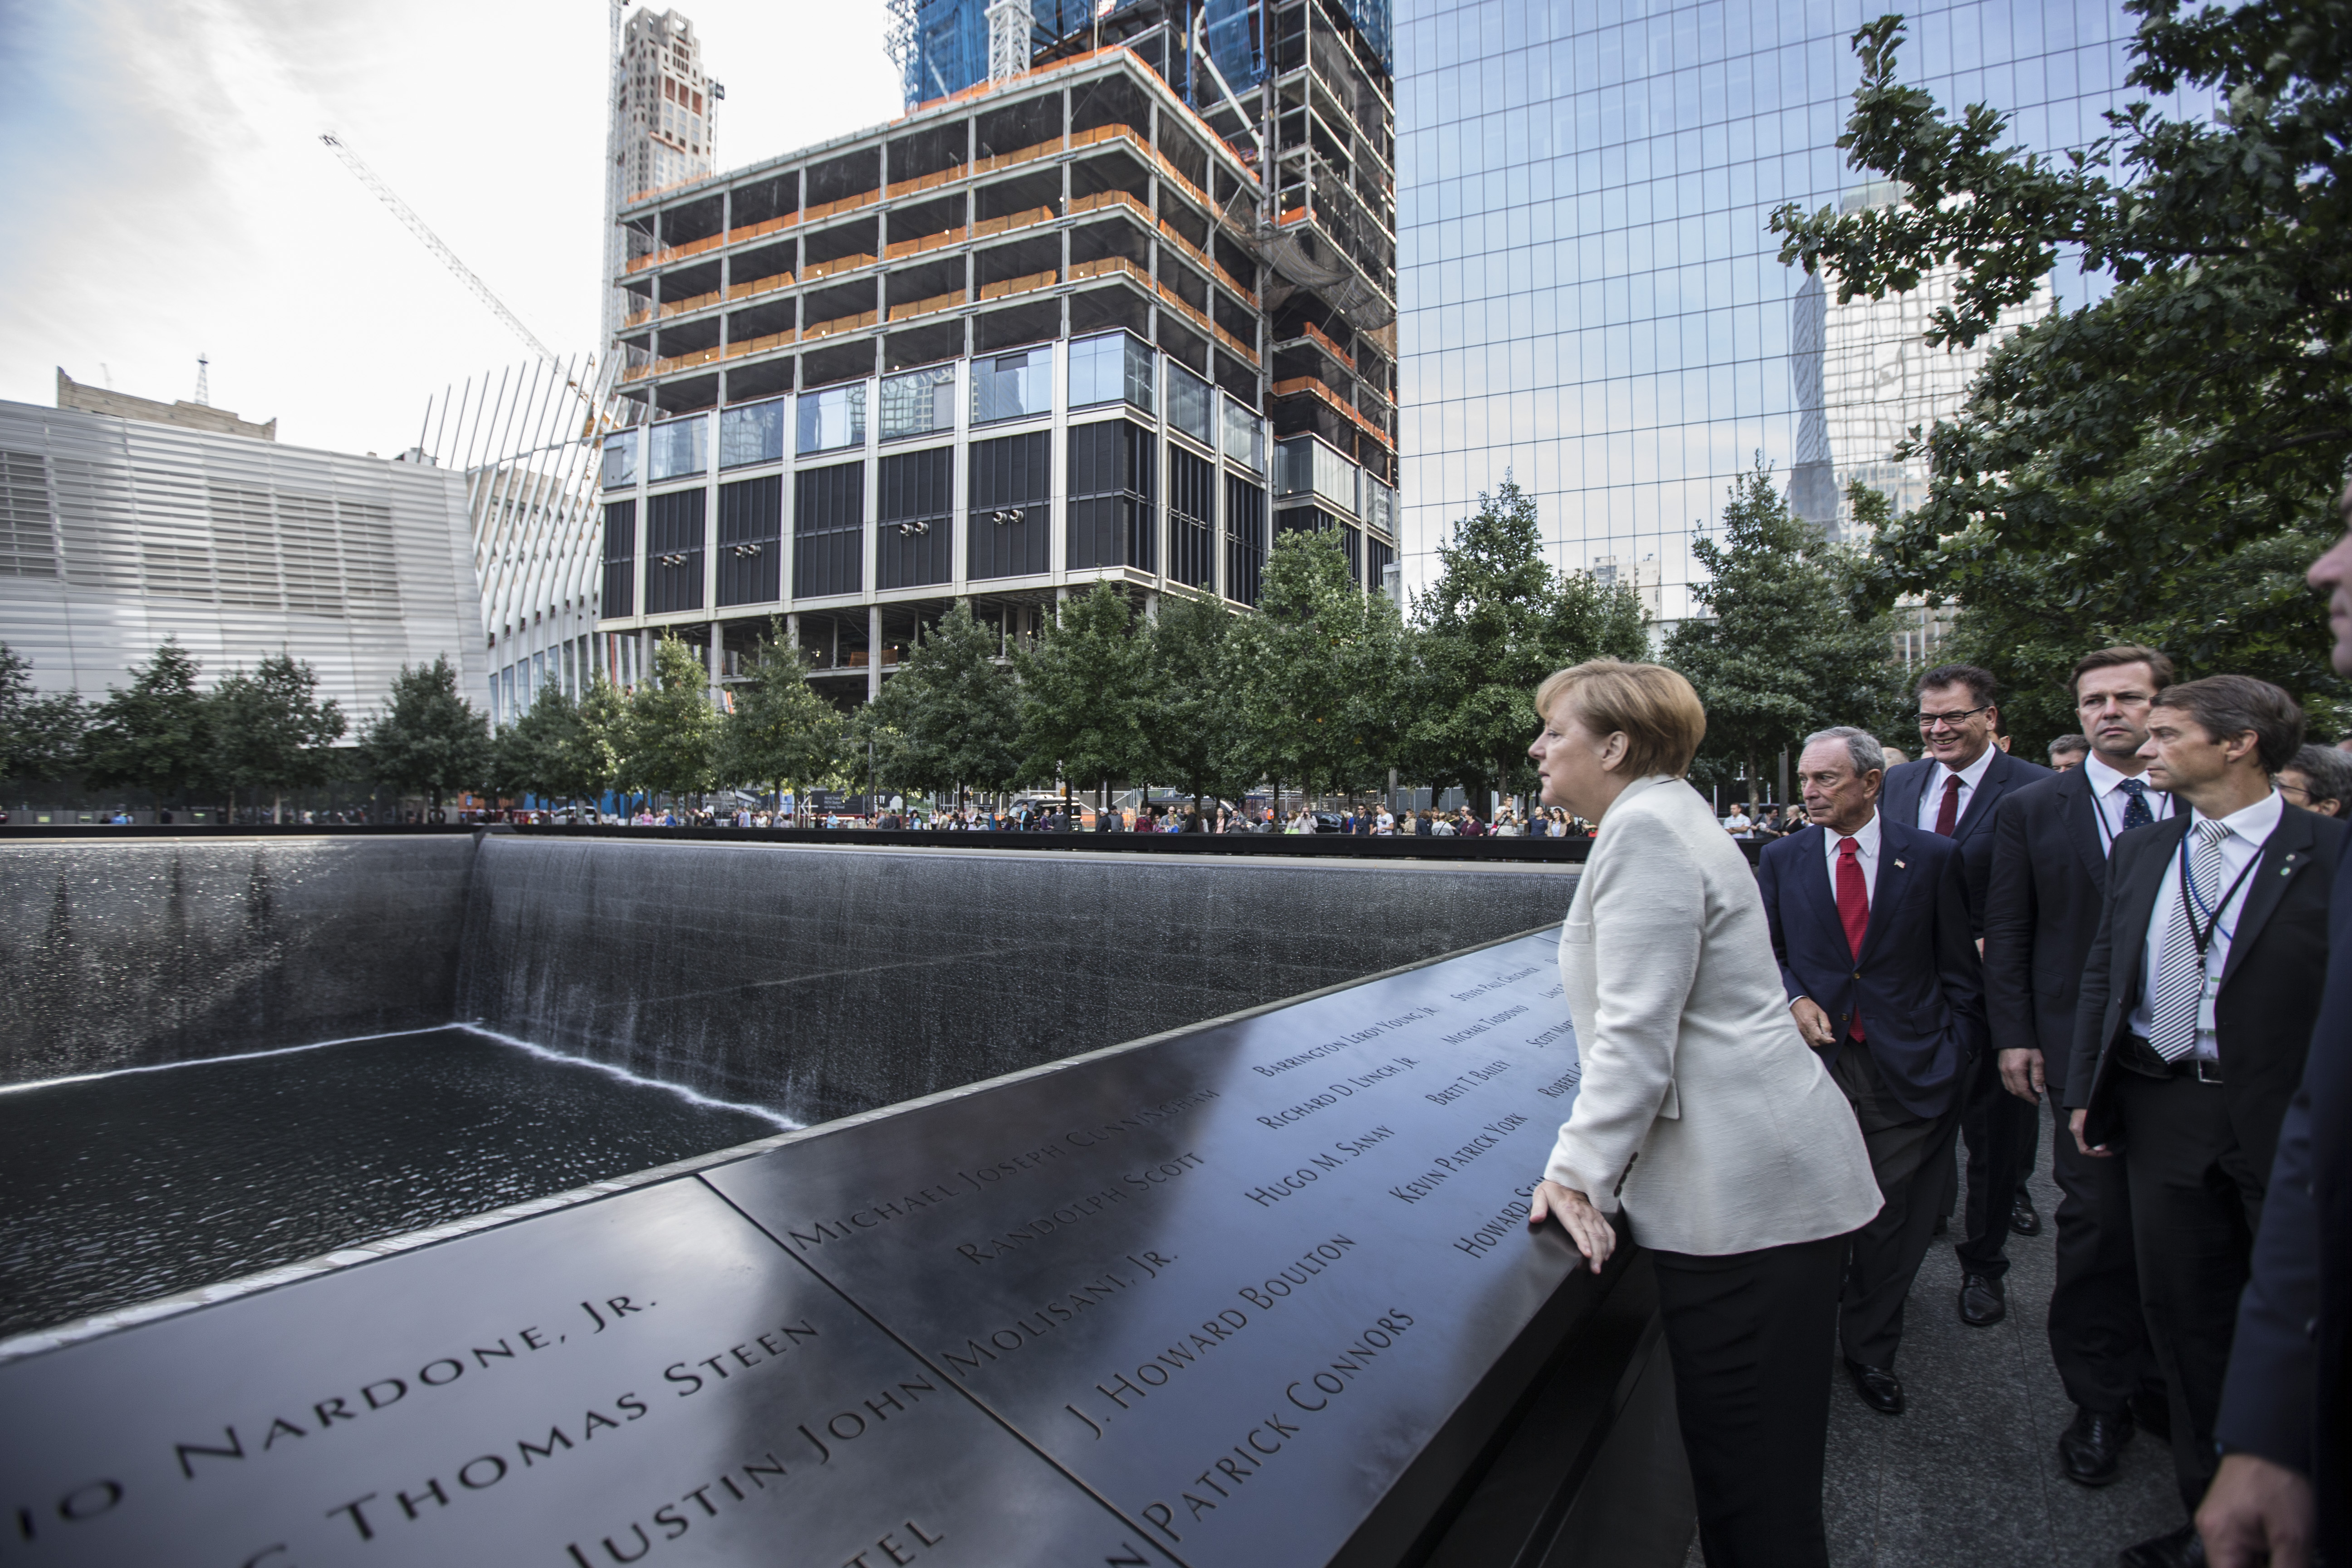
2079,810
1820,892
1894,881
2282,858
1989,789
2136,905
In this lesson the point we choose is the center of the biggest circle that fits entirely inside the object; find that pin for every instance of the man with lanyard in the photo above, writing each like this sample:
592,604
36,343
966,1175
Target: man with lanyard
2051,845
2196,1011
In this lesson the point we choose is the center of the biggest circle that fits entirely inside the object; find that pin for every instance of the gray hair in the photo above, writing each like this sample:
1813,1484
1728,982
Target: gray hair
2329,771
1859,745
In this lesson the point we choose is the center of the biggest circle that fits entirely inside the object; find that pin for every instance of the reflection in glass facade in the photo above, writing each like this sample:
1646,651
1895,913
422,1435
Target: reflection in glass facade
675,449
1592,301
752,433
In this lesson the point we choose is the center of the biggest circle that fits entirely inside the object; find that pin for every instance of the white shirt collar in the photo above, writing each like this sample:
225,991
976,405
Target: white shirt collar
1865,837
2256,822
2103,779
1970,776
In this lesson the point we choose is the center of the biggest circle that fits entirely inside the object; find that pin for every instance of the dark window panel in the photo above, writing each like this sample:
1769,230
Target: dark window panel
620,558
1011,513
828,530
917,541
750,541
674,540
1192,509
1244,538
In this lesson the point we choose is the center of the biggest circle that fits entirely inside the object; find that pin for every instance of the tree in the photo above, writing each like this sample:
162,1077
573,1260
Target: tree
598,738
1779,654
542,752
1321,667
1498,620
427,739
270,733
949,718
155,734
40,737
782,734
671,725
2159,464
1191,716
1081,694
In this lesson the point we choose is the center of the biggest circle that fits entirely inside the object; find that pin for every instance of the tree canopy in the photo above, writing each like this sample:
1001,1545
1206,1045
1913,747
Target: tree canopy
948,718
1322,669
270,731
156,733
2159,464
427,739
1192,686
40,737
782,733
1082,691
671,725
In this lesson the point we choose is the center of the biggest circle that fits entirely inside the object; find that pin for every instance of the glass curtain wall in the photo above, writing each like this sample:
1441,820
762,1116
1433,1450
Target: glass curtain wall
1592,301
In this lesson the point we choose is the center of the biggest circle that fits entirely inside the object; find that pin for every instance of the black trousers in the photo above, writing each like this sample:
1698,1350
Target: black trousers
1749,1334
1912,1158
2098,1335
2000,1130
2196,1202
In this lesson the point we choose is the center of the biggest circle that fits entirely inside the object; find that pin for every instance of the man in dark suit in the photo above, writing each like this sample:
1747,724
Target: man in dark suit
2195,1015
2284,1485
1954,790
2050,843
1870,922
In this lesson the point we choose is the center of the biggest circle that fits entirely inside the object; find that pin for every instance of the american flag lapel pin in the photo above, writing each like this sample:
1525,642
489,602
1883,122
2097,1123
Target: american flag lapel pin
1898,865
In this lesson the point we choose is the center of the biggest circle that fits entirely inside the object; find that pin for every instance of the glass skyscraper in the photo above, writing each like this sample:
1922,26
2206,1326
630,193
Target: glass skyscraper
1590,300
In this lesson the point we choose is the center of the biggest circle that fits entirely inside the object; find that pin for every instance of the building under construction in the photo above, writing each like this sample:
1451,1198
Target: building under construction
1119,308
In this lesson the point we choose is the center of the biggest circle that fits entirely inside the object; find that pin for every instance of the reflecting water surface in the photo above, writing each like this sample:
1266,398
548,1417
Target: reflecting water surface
134,1184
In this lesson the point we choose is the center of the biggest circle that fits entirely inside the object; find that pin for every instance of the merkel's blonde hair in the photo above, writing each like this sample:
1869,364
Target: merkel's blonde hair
1661,717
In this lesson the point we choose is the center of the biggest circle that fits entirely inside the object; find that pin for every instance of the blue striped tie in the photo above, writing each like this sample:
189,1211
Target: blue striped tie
2181,975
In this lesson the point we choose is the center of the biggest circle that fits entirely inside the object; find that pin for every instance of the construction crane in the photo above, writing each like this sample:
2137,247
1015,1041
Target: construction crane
416,227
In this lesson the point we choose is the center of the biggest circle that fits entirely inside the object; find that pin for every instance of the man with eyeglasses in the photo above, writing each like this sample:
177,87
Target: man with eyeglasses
2318,779
1953,790
2052,842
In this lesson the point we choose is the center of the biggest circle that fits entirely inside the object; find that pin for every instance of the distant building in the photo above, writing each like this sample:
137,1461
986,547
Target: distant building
117,532
526,439
663,113
1641,576
72,394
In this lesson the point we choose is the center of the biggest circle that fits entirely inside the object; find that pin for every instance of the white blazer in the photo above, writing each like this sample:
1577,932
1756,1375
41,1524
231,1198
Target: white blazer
1701,1109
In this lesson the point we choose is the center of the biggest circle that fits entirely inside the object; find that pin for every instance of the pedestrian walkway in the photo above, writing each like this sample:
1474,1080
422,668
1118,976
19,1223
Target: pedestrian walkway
1968,1476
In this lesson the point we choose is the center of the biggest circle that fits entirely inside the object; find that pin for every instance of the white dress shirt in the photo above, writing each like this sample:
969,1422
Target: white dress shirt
1866,851
2249,830
2112,802
1931,799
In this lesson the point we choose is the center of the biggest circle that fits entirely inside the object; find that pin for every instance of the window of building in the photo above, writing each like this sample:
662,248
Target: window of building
1244,436
750,541
1010,516
829,530
832,418
918,402
677,447
752,434
1307,467
620,459
674,537
1110,511
1191,406
1112,368
620,558
1192,517
914,543
1244,538
1013,386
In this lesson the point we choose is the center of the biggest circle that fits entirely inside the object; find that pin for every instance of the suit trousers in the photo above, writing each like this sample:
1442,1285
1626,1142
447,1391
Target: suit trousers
2000,1130
1749,1335
2196,1202
1912,1158
2098,1335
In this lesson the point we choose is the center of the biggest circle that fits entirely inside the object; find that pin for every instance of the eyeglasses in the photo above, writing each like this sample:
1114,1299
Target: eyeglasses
1951,721
2299,794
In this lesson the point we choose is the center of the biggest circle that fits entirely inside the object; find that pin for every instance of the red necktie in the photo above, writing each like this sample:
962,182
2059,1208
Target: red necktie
1948,815
1854,906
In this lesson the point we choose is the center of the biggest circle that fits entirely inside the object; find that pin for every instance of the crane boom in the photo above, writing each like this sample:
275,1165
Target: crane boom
416,225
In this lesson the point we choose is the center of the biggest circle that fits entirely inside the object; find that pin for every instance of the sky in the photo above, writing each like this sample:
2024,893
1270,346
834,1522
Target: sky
169,195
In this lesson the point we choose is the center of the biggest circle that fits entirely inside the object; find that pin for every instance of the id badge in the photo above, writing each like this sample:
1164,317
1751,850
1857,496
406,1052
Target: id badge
2206,1007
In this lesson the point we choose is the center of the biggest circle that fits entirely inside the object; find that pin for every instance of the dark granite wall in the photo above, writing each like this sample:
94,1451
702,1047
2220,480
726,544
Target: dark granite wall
822,981
157,950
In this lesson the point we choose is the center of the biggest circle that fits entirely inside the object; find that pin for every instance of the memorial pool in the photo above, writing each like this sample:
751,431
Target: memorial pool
126,1186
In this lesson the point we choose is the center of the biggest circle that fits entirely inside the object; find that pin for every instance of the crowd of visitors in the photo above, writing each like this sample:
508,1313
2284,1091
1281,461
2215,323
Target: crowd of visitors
1776,1071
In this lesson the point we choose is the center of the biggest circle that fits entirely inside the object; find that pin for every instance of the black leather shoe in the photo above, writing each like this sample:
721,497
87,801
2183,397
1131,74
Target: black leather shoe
1984,1300
1880,1389
2023,1218
2091,1451
2176,1549
2153,1410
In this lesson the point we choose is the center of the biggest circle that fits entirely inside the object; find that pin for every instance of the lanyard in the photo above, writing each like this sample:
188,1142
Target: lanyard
2192,900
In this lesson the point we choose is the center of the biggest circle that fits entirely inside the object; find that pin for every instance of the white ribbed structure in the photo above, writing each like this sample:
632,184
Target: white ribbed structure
527,438
116,533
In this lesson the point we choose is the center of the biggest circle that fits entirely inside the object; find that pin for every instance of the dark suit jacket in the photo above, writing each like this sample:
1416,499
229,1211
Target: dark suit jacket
1915,981
2049,873
1898,798
2268,1001
2286,1398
